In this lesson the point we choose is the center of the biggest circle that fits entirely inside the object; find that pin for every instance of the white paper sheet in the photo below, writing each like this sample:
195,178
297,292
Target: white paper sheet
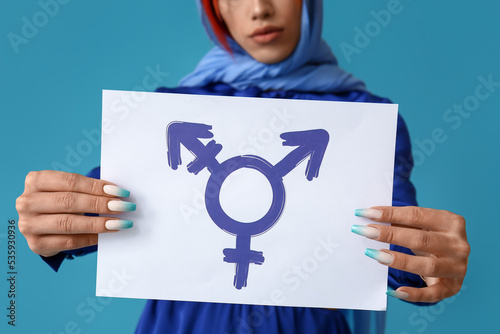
258,190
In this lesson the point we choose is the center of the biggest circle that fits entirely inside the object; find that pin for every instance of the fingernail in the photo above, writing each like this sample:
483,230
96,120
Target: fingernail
366,231
380,256
398,294
121,206
115,191
368,213
118,224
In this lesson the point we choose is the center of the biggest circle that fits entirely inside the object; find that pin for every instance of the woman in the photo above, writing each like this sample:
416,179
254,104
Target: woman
273,49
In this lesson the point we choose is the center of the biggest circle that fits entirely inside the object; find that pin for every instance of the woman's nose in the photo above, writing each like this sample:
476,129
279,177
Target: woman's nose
262,9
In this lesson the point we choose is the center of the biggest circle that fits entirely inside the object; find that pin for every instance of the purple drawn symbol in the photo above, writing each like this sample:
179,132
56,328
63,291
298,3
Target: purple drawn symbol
311,143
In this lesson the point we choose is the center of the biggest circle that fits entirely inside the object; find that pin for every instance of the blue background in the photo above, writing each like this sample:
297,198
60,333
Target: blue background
427,58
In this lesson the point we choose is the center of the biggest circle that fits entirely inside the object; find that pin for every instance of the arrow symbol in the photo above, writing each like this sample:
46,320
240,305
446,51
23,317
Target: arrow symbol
311,143
188,135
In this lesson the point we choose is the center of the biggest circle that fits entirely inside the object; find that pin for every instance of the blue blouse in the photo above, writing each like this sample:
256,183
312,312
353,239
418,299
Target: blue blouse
161,316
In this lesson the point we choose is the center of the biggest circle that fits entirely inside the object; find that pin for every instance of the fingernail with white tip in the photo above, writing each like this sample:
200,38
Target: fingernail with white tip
382,257
115,191
121,206
368,213
118,224
366,231
398,294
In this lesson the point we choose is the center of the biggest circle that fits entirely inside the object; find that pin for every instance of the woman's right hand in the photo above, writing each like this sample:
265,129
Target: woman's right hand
52,205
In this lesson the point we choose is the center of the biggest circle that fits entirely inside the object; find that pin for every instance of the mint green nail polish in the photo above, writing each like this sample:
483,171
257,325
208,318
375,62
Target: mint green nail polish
379,256
366,231
398,294
368,213
371,253
121,206
116,191
119,224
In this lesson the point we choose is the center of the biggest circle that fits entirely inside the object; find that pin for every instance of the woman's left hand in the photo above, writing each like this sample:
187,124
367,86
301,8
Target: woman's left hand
437,238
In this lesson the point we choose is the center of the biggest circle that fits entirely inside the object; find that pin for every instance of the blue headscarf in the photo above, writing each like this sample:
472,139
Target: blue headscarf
312,67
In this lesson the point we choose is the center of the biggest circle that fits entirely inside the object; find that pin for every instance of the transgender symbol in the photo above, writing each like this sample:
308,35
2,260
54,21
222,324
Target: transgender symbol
310,143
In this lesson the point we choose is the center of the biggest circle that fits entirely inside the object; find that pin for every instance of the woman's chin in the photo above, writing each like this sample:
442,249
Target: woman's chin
270,56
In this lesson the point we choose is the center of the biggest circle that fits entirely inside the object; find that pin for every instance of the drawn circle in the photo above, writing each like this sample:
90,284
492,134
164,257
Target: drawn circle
212,194
245,195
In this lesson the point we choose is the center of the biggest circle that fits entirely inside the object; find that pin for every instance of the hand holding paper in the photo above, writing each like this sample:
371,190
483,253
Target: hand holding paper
51,207
437,237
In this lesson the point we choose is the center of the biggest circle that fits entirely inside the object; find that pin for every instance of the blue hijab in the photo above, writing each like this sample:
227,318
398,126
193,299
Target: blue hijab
312,67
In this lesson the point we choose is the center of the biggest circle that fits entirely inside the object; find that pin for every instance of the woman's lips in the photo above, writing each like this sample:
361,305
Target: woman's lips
266,34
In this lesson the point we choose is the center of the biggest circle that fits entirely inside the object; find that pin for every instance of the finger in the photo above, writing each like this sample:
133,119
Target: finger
431,294
72,224
69,202
425,218
425,266
414,239
49,245
49,180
